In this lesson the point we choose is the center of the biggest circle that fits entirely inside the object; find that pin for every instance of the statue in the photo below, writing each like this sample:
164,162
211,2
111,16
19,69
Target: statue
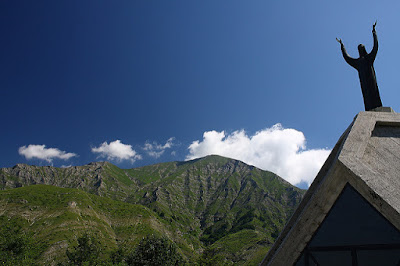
365,67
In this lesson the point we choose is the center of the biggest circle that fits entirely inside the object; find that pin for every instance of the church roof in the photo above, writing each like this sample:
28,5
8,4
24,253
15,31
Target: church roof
366,157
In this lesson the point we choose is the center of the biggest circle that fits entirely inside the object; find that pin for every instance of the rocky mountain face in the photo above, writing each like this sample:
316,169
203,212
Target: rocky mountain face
87,177
218,208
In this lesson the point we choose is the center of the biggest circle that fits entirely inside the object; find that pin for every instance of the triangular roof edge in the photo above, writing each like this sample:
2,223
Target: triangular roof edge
344,165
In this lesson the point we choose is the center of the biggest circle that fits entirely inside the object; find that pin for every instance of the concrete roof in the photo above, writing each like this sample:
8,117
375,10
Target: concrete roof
367,156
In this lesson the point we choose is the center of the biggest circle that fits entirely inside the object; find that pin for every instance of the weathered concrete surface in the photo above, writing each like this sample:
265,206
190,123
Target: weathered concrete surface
383,109
367,156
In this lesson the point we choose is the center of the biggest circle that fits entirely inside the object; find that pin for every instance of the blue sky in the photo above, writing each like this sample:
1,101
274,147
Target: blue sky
142,82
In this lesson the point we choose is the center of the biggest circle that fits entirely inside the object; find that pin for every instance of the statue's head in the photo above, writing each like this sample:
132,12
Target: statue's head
361,50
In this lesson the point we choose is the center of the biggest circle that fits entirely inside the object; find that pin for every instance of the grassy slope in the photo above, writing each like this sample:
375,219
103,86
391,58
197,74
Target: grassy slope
235,210
218,200
57,216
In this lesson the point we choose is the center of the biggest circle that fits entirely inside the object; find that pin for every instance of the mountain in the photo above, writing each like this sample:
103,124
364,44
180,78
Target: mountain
57,216
215,209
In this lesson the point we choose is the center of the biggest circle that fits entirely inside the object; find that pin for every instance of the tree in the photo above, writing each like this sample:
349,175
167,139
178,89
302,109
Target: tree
118,256
16,246
87,251
154,250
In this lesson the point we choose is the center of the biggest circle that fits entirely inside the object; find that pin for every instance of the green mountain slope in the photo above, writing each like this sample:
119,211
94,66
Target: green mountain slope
57,216
216,209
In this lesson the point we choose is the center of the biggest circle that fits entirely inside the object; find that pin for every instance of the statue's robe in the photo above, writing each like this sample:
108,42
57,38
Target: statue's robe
366,73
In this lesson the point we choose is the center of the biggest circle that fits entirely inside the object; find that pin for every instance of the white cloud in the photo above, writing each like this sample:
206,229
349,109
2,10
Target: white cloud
117,151
155,150
282,151
43,153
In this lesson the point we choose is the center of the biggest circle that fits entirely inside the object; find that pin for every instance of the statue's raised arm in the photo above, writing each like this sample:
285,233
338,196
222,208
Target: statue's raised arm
351,61
366,72
375,48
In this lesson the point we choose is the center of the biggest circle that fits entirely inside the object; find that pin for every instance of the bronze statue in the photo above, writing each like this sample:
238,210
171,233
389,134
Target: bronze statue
365,67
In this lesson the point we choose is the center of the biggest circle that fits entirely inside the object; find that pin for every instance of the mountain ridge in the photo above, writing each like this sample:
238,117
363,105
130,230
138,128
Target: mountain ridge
210,201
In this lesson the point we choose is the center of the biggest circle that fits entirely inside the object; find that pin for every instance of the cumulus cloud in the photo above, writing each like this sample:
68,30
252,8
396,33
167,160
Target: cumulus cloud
116,150
43,153
277,149
155,150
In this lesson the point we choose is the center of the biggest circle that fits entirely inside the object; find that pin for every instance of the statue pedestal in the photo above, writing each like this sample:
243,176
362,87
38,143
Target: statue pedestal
383,109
